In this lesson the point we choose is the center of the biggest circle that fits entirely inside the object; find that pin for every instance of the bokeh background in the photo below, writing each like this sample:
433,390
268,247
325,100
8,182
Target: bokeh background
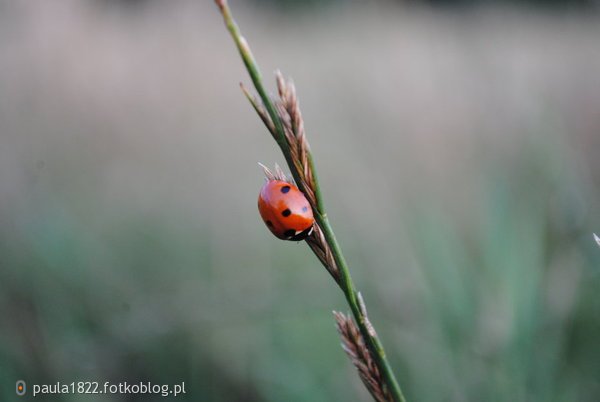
458,150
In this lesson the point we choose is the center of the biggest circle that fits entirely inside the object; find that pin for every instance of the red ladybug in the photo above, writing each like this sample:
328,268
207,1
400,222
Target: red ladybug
285,210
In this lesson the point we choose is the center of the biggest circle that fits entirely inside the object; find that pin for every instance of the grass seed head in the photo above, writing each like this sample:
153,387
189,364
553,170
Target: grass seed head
279,174
355,347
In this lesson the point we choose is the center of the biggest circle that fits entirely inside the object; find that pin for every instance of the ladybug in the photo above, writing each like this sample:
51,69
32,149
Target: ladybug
285,210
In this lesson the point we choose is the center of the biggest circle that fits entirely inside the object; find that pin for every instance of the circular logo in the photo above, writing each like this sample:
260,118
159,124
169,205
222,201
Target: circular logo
21,387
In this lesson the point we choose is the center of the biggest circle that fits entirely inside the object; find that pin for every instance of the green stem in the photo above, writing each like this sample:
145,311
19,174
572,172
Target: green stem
346,284
254,72
320,206
351,294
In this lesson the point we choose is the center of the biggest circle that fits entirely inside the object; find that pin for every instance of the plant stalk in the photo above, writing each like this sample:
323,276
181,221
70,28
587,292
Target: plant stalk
255,75
371,338
346,283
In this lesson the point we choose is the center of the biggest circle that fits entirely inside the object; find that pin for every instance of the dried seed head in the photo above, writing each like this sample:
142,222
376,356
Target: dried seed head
288,112
287,108
316,241
355,347
277,175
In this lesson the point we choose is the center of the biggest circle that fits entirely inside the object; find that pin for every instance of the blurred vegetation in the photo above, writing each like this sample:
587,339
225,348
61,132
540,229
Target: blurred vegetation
458,159
548,4
300,5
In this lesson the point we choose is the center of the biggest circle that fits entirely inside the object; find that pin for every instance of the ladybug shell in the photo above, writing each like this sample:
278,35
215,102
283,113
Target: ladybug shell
285,210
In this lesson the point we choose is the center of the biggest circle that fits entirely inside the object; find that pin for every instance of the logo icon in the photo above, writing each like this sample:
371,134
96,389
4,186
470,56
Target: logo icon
21,387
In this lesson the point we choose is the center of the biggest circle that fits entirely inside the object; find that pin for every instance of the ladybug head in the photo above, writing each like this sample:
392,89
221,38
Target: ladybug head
301,235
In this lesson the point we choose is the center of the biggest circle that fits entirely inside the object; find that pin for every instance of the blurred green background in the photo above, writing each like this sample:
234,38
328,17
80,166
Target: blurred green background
458,155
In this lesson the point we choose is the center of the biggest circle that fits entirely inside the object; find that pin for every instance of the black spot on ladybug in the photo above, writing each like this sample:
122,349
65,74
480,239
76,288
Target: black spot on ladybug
289,233
269,224
286,212
285,189
304,208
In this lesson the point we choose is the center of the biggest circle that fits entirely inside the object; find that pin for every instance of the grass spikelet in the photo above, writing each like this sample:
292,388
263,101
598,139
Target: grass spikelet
355,347
279,174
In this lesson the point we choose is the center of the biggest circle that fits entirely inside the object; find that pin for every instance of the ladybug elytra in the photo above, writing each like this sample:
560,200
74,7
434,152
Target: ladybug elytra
285,210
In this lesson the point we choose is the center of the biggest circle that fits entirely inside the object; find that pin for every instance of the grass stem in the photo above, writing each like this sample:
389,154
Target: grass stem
304,174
